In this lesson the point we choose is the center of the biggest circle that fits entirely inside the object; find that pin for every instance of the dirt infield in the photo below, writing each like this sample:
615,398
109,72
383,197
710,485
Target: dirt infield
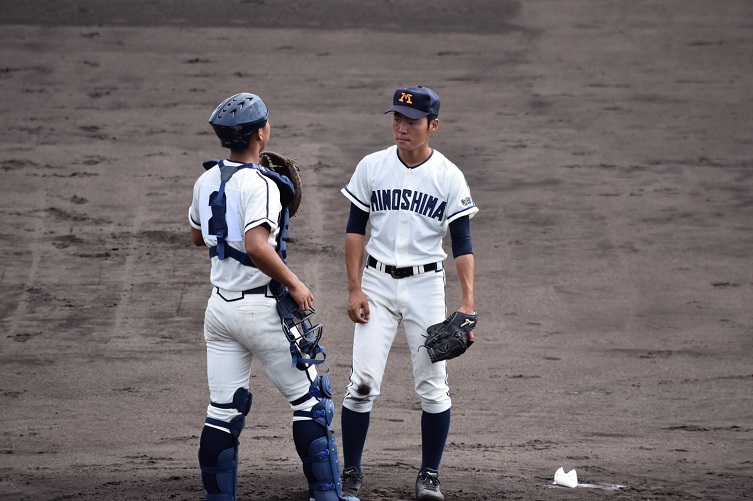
607,142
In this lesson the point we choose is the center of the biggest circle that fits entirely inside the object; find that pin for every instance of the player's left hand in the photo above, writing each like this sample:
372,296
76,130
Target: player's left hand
469,311
451,338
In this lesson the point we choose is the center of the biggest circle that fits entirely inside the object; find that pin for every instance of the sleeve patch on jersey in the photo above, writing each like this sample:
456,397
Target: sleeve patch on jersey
466,202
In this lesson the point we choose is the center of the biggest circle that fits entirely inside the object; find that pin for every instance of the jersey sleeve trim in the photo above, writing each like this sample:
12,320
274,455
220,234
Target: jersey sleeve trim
359,203
468,211
259,222
194,224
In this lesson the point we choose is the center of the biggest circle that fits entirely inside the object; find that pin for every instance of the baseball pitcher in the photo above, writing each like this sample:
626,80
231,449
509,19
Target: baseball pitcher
411,196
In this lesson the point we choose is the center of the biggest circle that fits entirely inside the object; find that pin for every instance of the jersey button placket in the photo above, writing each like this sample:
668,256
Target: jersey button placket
403,228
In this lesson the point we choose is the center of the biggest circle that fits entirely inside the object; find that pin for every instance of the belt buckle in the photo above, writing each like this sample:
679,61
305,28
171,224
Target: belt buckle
401,272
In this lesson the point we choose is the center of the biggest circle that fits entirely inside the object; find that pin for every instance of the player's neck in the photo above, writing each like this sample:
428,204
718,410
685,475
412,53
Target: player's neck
250,156
414,158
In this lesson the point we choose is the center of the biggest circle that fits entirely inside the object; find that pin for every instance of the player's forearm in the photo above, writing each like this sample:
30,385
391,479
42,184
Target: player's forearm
465,266
196,237
266,259
354,254
268,262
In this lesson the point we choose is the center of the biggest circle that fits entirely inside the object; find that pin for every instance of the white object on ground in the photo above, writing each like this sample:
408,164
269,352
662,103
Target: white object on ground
569,479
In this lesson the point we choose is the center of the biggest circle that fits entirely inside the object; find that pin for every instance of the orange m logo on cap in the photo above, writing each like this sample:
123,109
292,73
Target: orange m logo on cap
406,98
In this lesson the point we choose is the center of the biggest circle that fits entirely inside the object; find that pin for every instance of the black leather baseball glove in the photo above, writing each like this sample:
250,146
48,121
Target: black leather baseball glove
449,339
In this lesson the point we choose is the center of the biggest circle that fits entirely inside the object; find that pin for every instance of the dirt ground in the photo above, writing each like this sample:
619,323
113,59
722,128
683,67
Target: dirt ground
607,142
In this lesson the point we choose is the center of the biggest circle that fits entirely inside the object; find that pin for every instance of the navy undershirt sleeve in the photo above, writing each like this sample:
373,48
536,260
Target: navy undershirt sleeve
357,220
460,233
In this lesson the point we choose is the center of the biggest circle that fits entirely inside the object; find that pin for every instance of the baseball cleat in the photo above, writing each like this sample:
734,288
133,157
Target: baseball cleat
427,485
352,481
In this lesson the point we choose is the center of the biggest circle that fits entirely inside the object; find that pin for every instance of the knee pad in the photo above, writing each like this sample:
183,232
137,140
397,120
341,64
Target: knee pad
242,399
227,413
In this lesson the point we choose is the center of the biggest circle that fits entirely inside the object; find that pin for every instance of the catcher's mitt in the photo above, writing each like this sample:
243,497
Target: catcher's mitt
449,339
287,167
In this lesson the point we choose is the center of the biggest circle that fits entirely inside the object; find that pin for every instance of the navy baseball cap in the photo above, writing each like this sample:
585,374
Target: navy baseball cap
415,102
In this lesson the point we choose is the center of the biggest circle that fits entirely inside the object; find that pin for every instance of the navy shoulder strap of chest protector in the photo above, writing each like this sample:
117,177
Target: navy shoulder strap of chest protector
218,204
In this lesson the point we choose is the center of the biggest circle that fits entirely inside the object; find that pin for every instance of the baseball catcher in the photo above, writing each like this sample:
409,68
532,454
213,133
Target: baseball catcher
451,338
240,210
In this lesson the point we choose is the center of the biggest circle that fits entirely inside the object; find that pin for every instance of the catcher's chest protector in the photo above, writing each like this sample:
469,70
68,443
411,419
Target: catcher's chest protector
218,203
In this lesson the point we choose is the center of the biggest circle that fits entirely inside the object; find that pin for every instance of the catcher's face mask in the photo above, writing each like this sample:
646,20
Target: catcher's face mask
302,335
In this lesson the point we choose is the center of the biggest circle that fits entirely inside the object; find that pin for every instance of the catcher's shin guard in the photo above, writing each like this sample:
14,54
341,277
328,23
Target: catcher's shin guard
218,450
322,452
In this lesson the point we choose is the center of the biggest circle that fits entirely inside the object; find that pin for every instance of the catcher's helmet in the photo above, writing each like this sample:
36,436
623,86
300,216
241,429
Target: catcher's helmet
236,118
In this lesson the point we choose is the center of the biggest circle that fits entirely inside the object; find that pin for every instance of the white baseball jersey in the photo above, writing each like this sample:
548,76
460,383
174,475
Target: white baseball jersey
409,208
252,199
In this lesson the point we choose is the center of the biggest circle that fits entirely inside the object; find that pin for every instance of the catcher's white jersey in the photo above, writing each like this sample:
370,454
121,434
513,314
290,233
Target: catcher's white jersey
409,208
252,199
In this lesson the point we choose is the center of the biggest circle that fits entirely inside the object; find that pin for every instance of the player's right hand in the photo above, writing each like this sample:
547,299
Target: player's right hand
358,307
303,297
